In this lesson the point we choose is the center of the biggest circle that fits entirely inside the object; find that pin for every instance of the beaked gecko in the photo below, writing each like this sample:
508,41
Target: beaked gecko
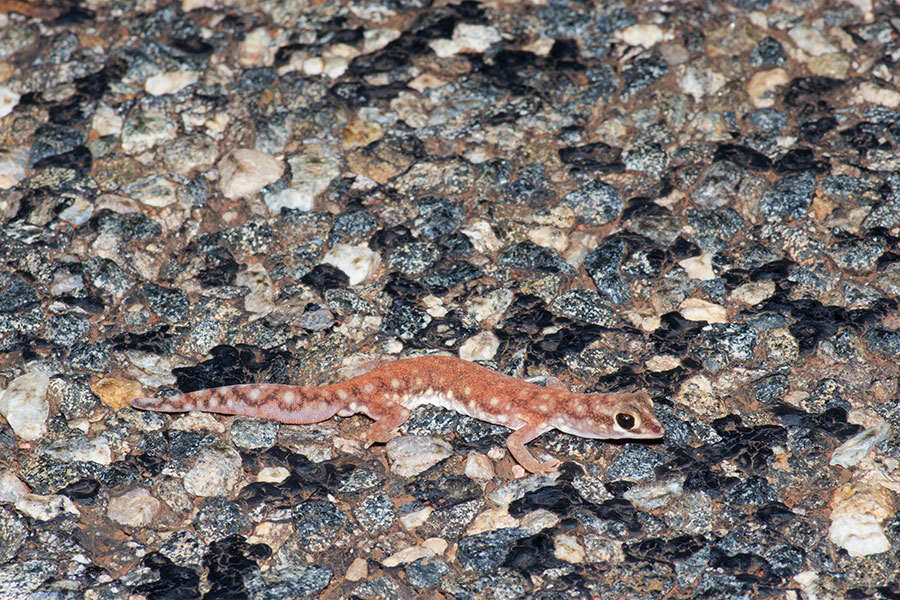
387,393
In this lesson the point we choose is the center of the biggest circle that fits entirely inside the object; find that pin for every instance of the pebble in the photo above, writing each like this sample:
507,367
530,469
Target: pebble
490,520
479,467
408,555
466,38
272,474
13,165
313,169
8,100
134,508
116,392
245,171
358,262
762,86
699,267
24,405
45,508
144,130
654,494
595,202
170,82
482,236
11,487
698,82
695,309
567,548
358,570
646,35
288,198
810,40
154,190
481,346
869,93
215,473
80,449
858,447
857,510
106,121
833,64
753,292
409,455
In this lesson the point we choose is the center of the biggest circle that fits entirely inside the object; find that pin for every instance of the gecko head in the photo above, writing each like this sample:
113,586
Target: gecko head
612,416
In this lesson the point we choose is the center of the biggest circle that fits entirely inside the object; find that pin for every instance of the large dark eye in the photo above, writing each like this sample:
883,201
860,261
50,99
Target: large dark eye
625,420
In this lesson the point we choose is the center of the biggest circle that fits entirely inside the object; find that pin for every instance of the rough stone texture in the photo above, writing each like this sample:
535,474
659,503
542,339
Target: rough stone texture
696,199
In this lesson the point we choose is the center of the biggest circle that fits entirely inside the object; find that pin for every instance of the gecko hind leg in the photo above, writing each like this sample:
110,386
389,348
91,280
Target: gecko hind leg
385,424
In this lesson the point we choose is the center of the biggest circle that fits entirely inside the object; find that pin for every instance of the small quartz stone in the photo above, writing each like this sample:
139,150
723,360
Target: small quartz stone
695,309
171,82
859,446
358,262
45,508
135,508
8,100
24,405
13,162
481,346
762,86
857,510
215,473
245,171
410,455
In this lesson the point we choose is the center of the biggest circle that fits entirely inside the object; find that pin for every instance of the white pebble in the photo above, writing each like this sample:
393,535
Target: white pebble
859,535
11,487
858,447
215,473
245,171
695,309
481,346
170,82
646,35
134,508
811,40
410,455
45,508
762,86
288,198
358,262
13,162
24,405
8,100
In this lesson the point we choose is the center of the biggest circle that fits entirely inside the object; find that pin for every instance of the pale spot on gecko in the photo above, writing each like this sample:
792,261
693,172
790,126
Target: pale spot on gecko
289,397
342,394
395,383
494,401
368,388
254,395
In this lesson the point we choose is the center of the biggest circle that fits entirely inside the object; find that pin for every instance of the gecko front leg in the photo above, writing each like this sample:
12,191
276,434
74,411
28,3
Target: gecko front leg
516,445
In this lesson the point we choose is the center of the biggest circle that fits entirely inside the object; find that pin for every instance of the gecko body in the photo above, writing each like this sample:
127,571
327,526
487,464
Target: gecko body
388,392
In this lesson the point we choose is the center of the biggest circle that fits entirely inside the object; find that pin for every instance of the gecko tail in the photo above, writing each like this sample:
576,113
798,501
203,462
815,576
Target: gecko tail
285,403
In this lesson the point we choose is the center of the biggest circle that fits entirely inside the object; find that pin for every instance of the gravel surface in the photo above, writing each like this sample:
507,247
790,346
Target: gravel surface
696,199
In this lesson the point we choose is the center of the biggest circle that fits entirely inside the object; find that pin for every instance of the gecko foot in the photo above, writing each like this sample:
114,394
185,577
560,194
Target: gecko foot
547,467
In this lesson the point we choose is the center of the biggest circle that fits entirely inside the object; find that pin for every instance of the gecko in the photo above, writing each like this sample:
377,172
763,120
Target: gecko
389,391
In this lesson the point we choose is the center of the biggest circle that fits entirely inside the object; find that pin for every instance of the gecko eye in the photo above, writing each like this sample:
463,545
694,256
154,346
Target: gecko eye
625,421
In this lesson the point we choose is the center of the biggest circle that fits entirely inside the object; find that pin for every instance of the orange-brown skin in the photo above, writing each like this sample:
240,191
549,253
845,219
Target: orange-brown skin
37,10
388,392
